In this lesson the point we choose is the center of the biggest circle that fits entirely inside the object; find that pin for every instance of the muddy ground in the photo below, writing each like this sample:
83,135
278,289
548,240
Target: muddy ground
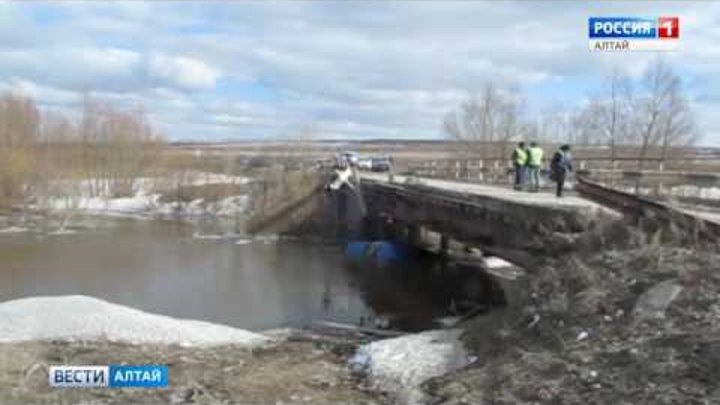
581,340
298,371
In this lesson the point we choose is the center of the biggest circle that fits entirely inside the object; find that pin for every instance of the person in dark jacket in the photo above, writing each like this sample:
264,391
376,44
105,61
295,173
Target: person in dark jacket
560,165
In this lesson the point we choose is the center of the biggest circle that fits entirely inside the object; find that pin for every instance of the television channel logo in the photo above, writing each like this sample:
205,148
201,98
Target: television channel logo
615,34
111,376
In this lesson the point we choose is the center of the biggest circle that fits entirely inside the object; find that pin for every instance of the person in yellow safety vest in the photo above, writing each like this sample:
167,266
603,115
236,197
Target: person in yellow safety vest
534,163
519,159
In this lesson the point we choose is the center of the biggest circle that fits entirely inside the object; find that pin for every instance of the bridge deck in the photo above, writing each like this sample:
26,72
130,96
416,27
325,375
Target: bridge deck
497,192
708,216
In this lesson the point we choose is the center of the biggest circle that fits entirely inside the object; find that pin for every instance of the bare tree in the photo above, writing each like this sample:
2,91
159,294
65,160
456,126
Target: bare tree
117,147
19,129
661,115
494,118
677,125
617,113
587,124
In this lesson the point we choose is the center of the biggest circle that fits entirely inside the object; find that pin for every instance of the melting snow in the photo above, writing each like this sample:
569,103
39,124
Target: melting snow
14,229
78,317
400,365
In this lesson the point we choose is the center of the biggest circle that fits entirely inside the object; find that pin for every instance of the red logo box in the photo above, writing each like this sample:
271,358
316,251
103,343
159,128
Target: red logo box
668,27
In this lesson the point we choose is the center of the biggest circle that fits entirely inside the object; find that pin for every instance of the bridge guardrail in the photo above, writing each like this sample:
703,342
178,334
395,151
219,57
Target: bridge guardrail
619,170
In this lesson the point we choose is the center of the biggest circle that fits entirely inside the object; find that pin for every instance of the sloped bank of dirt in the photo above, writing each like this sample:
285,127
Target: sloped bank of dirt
596,332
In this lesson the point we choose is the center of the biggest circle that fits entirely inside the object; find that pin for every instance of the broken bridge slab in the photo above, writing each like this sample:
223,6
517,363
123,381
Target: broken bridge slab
484,215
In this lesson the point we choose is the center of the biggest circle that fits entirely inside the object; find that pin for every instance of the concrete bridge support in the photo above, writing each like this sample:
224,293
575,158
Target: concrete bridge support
414,235
514,225
444,245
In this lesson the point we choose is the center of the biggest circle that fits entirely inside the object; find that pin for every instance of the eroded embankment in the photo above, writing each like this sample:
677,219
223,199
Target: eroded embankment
634,321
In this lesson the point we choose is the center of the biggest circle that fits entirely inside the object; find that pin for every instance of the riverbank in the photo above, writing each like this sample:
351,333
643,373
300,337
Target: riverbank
288,372
211,363
634,321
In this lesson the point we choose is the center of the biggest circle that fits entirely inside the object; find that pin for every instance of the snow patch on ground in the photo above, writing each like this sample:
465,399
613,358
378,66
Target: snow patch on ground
400,365
74,195
14,229
61,232
201,236
145,185
494,262
150,205
123,205
82,318
706,193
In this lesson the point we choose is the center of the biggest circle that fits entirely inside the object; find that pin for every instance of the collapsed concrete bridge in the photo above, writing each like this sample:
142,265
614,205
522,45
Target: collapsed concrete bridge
500,220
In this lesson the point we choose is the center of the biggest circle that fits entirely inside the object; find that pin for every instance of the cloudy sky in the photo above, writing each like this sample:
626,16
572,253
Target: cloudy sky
243,69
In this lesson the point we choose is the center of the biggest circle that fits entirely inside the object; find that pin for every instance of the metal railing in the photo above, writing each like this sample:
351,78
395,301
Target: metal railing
500,170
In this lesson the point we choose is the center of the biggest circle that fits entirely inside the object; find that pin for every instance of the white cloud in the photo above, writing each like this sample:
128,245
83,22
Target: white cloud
48,95
182,71
231,119
388,68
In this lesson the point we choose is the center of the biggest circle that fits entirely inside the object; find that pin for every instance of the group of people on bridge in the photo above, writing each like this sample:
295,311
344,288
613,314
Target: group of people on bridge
528,163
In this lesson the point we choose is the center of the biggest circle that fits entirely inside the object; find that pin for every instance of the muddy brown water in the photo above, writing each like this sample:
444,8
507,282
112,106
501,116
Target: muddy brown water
160,267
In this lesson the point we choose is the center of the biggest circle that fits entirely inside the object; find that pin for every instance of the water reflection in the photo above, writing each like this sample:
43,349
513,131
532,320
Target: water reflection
163,267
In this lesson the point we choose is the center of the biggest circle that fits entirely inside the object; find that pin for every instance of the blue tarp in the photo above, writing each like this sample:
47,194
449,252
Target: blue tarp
380,252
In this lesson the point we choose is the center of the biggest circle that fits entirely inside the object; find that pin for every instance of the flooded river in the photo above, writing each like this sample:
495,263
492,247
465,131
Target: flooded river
168,268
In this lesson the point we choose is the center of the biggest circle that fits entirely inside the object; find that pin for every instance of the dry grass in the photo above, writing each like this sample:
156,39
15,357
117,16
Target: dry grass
107,147
534,355
285,373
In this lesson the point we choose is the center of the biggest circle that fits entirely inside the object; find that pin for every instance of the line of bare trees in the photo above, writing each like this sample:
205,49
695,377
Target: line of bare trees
108,148
652,115
492,119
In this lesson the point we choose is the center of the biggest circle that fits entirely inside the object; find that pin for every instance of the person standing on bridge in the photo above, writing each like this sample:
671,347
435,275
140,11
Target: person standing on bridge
519,159
534,162
560,165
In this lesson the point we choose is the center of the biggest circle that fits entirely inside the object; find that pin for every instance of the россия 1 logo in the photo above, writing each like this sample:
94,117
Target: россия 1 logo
633,34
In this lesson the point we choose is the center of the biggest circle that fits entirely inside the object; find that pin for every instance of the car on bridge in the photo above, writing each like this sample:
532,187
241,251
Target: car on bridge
380,164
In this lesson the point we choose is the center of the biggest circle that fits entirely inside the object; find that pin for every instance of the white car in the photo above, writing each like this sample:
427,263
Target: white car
365,164
350,157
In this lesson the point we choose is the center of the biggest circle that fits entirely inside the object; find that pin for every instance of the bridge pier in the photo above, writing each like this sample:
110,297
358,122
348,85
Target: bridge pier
414,235
444,245
376,227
